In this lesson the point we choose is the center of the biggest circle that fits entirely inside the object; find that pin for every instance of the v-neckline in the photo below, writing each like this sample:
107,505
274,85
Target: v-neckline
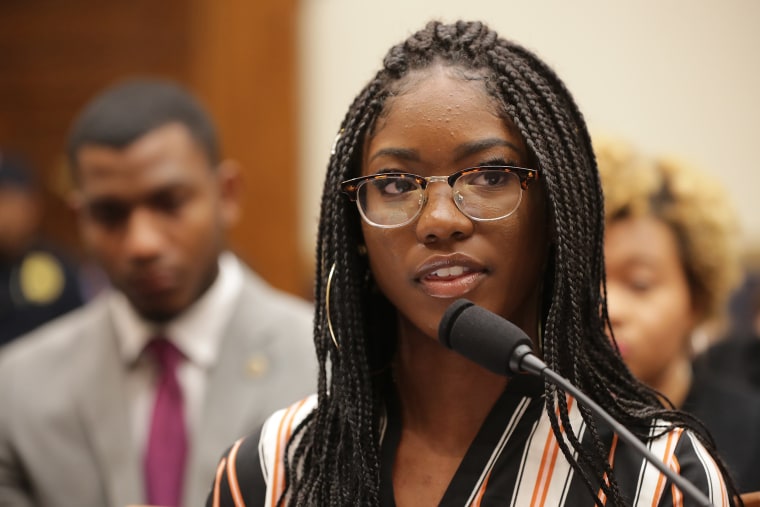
475,464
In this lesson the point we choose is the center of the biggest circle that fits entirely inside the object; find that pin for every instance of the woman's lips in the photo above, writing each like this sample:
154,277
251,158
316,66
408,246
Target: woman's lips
451,286
450,277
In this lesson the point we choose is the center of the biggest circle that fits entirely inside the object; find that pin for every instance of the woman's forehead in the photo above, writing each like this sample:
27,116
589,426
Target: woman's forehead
446,105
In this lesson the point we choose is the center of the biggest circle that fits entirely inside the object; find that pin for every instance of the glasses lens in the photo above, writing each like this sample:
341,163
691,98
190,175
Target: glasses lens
390,200
488,194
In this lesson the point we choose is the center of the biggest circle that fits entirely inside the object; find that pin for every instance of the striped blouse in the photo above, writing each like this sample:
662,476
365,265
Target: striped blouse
514,461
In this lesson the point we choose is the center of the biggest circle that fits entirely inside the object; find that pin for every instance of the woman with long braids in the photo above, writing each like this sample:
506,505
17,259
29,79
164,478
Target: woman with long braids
463,169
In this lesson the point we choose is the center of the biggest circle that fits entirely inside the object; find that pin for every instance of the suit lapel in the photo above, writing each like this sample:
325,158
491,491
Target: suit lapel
265,362
105,416
228,399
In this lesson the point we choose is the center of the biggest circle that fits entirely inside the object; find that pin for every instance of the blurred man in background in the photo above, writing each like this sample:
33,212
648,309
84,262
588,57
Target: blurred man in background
132,399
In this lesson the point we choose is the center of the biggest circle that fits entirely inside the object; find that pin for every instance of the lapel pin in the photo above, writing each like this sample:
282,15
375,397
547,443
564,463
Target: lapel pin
257,366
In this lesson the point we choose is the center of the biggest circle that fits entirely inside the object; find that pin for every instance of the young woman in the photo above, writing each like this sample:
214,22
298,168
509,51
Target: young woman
672,259
463,169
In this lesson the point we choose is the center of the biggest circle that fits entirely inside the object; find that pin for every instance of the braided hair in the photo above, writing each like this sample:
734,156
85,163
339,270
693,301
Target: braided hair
333,455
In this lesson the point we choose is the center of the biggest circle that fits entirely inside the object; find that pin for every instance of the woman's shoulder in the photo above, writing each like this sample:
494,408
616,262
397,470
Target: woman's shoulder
251,470
683,451
673,444
278,428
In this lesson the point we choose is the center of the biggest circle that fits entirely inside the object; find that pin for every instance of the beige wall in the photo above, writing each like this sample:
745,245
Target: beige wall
679,76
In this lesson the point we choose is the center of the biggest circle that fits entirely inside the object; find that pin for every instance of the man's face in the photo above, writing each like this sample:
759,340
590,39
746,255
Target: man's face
154,214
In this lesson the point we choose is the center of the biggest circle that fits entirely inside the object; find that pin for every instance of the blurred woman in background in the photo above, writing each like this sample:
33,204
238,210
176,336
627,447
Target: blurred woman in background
671,254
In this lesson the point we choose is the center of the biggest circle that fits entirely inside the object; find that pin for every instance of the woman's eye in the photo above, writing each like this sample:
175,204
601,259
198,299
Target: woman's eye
640,284
490,178
396,186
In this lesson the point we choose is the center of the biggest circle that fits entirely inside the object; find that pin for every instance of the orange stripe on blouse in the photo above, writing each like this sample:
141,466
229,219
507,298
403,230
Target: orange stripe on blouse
232,475
550,474
540,478
611,460
670,445
479,497
218,481
277,462
545,471
290,424
677,494
278,481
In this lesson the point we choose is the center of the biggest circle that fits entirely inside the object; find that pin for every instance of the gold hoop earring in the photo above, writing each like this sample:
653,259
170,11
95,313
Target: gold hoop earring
327,304
540,336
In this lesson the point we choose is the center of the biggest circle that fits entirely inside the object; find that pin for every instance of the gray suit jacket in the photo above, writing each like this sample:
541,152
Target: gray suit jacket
65,436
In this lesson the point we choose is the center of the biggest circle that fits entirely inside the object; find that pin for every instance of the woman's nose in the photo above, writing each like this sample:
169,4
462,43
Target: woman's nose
440,218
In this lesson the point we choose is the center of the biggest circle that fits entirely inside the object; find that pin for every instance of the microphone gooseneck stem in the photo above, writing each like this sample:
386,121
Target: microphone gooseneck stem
623,432
500,346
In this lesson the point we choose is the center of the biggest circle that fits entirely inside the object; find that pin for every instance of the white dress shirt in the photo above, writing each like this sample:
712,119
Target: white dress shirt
197,332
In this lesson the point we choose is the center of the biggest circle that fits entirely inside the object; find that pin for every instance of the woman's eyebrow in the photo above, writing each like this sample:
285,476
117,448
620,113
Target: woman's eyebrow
462,151
474,147
401,153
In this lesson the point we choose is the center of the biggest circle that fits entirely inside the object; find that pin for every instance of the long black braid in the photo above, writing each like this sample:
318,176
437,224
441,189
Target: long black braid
334,458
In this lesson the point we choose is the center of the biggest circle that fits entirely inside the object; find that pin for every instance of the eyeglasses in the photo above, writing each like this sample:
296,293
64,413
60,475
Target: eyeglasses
482,193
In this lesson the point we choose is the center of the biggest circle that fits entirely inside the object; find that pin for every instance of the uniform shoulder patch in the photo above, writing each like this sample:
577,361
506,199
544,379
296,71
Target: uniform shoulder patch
41,278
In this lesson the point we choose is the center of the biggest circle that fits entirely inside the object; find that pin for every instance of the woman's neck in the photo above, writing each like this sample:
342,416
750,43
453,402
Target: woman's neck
442,394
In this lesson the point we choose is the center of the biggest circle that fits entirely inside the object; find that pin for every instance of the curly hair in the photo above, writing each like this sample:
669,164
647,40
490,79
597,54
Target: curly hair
333,455
695,206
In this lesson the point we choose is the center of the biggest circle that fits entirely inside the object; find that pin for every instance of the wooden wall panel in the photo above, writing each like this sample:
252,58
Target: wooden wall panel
55,56
244,67
237,54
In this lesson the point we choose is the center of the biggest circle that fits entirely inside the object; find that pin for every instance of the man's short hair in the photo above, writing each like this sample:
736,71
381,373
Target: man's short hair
123,113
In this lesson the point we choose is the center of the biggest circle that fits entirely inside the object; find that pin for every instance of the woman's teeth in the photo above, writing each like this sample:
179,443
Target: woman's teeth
449,272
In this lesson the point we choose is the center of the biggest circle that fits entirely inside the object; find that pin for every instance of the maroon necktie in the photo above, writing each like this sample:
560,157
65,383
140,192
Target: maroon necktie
167,441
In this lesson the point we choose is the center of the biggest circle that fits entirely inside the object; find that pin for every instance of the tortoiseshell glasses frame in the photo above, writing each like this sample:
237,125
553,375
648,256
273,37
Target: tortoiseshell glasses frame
395,198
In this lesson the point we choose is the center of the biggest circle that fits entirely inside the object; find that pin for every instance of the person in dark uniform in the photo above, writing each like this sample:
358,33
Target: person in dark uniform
37,282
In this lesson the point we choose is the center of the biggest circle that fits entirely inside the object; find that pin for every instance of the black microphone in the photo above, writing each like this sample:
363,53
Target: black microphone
487,339
498,345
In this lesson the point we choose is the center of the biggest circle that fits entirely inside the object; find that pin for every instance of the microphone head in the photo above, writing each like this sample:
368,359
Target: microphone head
449,318
484,337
